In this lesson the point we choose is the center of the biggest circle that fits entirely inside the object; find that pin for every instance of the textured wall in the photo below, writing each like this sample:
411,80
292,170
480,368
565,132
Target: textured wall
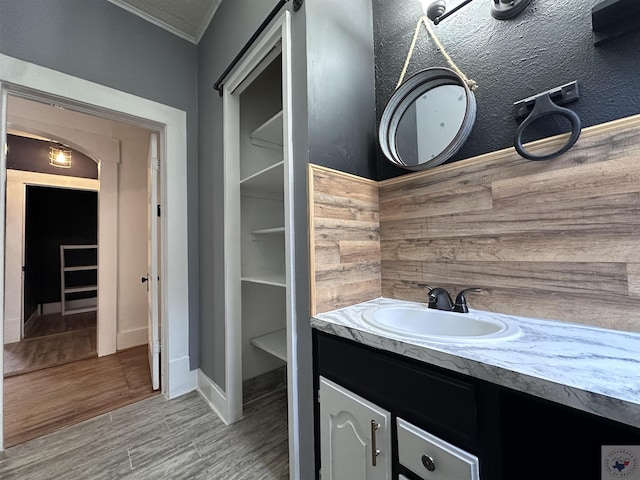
549,44
102,43
341,74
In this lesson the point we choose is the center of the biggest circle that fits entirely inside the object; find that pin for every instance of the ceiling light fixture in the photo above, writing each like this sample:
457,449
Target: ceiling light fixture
59,155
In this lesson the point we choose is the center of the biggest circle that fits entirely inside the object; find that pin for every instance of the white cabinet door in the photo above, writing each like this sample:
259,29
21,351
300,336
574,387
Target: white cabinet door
355,436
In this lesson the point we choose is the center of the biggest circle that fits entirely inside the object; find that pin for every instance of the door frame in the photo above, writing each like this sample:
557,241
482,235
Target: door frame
153,330
229,403
16,212
28,80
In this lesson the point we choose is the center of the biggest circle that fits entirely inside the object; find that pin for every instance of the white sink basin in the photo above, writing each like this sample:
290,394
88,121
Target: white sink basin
440,326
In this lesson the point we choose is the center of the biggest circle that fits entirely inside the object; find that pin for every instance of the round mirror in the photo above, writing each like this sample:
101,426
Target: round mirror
427,119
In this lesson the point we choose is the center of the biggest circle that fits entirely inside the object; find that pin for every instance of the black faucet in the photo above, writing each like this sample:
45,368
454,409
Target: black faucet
440,299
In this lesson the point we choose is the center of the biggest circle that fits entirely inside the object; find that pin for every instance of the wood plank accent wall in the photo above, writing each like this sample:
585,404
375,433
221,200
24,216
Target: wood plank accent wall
345,239
556,239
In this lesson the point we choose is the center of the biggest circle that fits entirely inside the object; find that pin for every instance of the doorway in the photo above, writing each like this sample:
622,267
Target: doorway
57,321
27,80
60,266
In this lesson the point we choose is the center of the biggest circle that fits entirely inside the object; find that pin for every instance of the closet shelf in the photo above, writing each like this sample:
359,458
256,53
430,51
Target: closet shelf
65,289
274,279
84,288
268,232
80,268
78,247
274,343
268,180
269,134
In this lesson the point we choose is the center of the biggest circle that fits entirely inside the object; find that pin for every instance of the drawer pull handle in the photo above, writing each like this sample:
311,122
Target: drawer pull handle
374,450
429,463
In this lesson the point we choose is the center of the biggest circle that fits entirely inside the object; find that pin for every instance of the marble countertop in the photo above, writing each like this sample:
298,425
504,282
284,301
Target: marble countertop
591,369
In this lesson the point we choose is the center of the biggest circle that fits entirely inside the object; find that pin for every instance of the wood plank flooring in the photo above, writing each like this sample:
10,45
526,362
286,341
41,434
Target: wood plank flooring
47,400
161,439
52,340
55,323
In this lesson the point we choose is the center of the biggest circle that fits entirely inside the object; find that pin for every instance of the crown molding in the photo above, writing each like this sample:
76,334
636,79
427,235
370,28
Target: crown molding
156,22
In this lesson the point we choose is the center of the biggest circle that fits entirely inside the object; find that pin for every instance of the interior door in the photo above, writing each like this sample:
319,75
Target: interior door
3,183
152,265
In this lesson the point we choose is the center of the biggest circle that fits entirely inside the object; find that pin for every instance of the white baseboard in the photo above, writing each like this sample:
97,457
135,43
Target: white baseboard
214,396
181,378
12,330
131,338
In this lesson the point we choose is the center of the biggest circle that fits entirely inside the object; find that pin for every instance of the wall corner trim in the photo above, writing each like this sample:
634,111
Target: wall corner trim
213,394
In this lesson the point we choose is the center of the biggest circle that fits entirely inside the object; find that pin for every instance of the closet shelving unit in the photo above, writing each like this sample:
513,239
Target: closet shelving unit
76,287
262,212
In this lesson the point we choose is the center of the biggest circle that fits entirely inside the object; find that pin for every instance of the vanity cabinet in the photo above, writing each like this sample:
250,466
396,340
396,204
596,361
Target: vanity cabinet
355,435
511,435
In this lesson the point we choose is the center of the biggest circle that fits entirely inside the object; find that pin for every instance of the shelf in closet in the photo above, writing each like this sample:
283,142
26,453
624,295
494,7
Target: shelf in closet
65,289
274,279
274,343
267,232
269,134
268,180
84,288
81,268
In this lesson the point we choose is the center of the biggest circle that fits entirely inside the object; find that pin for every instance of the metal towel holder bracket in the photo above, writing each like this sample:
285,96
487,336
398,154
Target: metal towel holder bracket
547,104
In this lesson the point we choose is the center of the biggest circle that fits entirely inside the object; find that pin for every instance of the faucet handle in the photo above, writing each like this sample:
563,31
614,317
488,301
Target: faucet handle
439,298
460,305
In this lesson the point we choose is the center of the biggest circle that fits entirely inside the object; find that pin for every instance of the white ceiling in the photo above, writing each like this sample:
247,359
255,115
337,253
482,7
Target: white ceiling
188,19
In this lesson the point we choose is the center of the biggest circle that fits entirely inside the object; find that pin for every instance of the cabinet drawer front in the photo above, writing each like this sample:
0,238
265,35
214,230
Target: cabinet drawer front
432,458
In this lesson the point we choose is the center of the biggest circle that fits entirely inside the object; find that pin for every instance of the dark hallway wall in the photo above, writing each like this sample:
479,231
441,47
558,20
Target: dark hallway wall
549,44
54,217
32,155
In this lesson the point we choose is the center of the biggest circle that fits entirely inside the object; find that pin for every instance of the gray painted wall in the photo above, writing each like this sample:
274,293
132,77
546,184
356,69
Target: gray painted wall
549,44
97,41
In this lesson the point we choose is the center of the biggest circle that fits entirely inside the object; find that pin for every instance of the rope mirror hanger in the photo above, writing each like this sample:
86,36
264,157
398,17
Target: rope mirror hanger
430,115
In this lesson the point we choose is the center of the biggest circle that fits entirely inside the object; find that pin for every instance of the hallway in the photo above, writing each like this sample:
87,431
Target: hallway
43,401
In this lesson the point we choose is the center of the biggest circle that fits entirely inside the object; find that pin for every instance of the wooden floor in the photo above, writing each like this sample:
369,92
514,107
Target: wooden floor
161,439
52,340
47,400
56,323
